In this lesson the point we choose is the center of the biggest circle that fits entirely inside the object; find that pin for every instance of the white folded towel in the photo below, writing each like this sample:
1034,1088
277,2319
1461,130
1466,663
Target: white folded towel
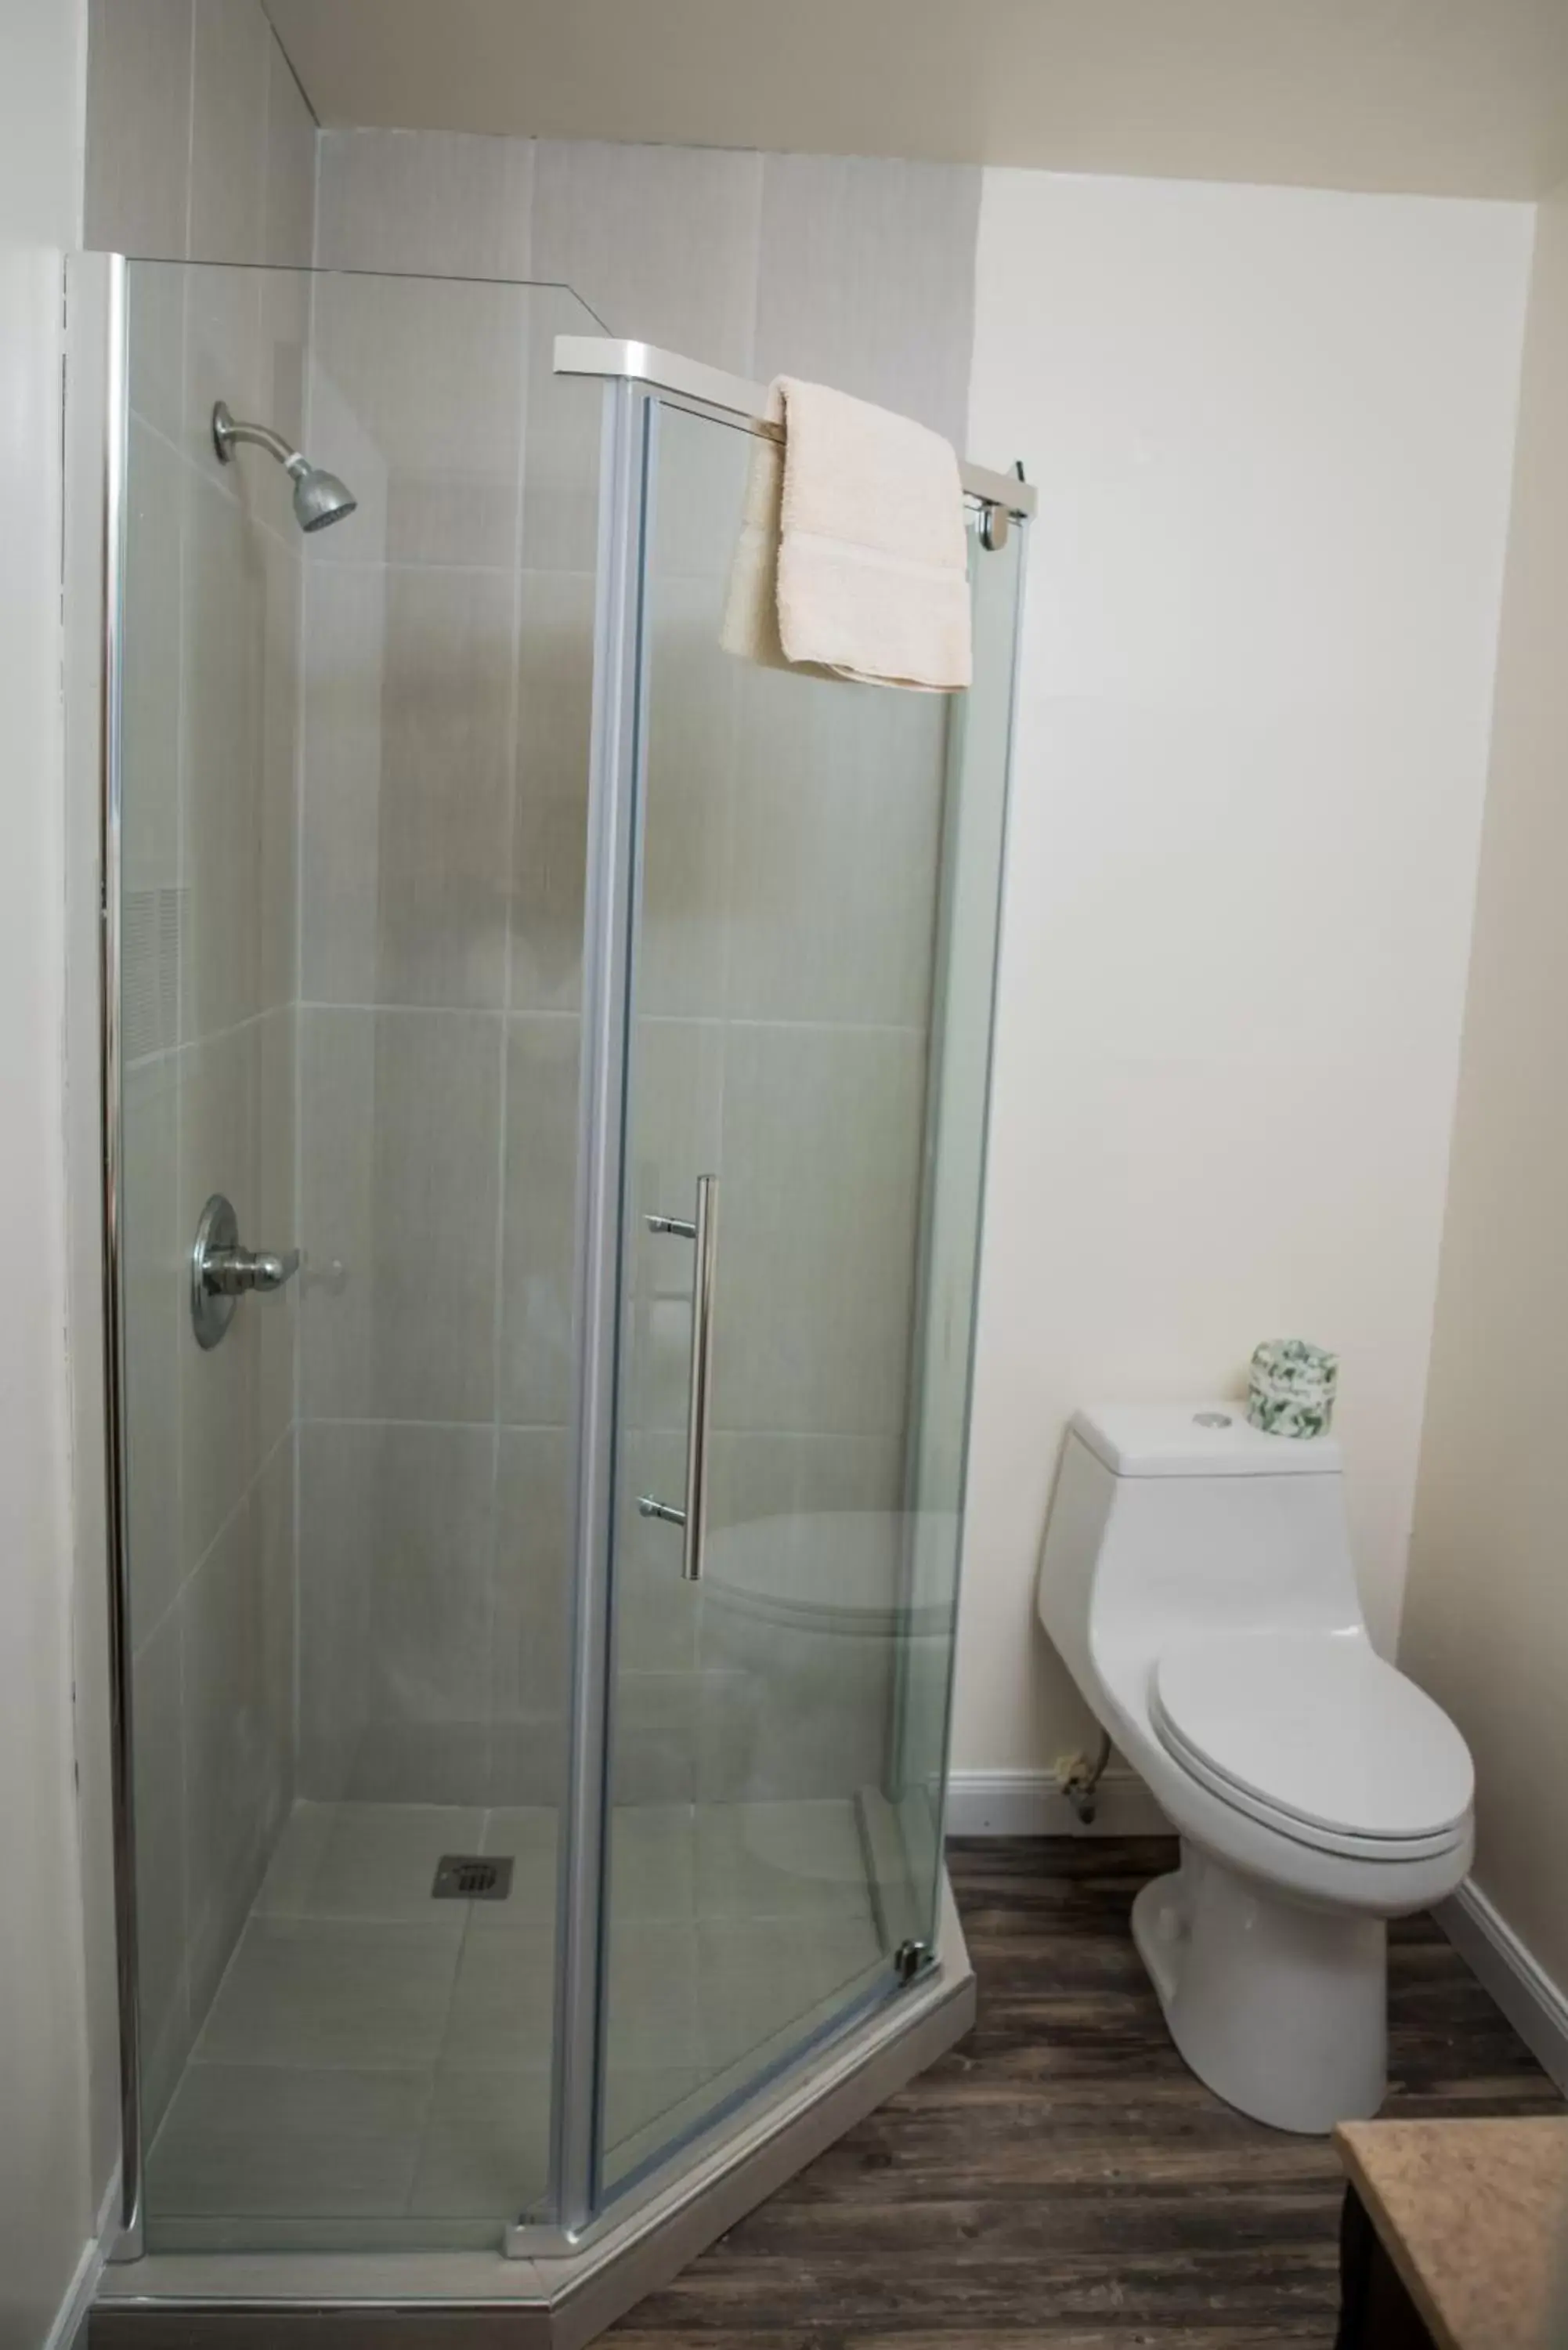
852,557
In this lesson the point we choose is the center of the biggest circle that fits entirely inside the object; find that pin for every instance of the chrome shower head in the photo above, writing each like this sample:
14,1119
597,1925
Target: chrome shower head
319,497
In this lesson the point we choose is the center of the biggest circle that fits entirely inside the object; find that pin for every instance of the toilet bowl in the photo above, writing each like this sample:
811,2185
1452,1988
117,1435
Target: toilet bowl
1197,1580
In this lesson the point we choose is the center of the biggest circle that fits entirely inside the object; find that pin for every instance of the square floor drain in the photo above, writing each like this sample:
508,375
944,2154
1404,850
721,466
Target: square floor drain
471,1877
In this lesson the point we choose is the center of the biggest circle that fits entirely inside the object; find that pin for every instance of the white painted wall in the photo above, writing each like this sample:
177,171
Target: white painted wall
1272,432
45,2188
1486,1626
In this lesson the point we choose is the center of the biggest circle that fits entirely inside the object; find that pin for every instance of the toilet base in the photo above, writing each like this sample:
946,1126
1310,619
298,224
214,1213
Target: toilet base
1280,2009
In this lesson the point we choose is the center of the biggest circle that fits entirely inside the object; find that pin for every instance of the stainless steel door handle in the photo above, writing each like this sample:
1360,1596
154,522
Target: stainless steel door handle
703,1232
223,1271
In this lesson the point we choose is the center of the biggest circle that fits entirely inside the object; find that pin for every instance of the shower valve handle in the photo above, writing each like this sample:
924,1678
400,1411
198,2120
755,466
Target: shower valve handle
234,1270
222,1270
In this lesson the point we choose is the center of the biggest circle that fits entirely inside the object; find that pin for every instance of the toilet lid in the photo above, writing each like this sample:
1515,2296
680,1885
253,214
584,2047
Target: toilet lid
1314,1726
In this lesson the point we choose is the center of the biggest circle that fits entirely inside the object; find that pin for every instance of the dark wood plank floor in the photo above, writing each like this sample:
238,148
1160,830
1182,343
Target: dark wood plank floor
1059,2178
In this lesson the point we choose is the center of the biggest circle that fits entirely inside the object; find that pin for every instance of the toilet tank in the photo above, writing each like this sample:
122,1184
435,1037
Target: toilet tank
1168,1519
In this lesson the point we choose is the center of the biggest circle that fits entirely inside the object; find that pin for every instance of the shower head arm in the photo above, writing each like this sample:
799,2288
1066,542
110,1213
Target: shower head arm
228,432
319,497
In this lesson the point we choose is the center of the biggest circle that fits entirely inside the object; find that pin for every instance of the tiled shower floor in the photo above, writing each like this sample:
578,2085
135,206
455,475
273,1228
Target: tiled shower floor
377,2057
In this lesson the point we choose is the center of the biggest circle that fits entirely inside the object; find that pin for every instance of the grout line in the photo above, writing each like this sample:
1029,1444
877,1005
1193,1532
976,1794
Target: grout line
724,1022
382,563
298,1377
317,157
512,737
224,1527
190,163
328,2065
431,2069
167,1055
263,220
527,1015
307,420
859,1438
731,1022
434,1010
459,1427
182,1126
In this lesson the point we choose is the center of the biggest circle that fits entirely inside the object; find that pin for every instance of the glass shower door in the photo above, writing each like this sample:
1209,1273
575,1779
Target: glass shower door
773,1593
352,786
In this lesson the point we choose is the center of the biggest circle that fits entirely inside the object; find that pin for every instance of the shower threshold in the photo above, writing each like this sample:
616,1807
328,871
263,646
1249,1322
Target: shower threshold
473,2300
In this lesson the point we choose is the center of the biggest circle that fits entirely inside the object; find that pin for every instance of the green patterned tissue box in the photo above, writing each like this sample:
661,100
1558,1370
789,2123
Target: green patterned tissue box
1290,1388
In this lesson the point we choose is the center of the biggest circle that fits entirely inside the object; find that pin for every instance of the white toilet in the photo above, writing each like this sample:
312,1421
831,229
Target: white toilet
1197,1580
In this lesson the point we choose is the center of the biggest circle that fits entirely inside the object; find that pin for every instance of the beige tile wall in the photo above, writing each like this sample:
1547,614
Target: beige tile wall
440,952
200,146
787,988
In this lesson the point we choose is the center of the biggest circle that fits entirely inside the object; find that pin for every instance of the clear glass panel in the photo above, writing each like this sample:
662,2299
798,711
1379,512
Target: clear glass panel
354,778
814,877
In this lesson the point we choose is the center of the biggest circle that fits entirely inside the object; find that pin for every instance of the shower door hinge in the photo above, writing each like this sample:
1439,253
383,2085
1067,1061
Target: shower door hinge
908,1959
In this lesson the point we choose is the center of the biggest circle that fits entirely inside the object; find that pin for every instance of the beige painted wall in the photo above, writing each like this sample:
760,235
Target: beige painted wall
1259,632
1486,1621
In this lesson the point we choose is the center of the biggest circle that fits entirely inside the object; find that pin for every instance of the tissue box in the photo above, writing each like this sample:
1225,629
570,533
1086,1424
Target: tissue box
1291,1388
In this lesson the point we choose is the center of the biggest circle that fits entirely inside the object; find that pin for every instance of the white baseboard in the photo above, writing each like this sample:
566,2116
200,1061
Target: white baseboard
1031,1804
71,2318
1535,2005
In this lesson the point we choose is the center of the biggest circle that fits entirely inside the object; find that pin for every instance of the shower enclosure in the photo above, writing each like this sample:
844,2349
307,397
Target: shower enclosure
545,1080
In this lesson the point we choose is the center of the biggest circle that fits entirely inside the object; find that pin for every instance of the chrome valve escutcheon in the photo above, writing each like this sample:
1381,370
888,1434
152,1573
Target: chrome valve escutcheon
223,1271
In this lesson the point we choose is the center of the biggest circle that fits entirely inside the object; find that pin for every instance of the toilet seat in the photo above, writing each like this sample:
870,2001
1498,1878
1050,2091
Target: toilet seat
1312,1733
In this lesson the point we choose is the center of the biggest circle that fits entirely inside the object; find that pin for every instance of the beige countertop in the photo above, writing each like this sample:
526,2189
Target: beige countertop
1474,2215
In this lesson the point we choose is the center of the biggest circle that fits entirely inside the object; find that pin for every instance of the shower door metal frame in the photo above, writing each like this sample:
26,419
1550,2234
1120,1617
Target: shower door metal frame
95,309
740,401
614,762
